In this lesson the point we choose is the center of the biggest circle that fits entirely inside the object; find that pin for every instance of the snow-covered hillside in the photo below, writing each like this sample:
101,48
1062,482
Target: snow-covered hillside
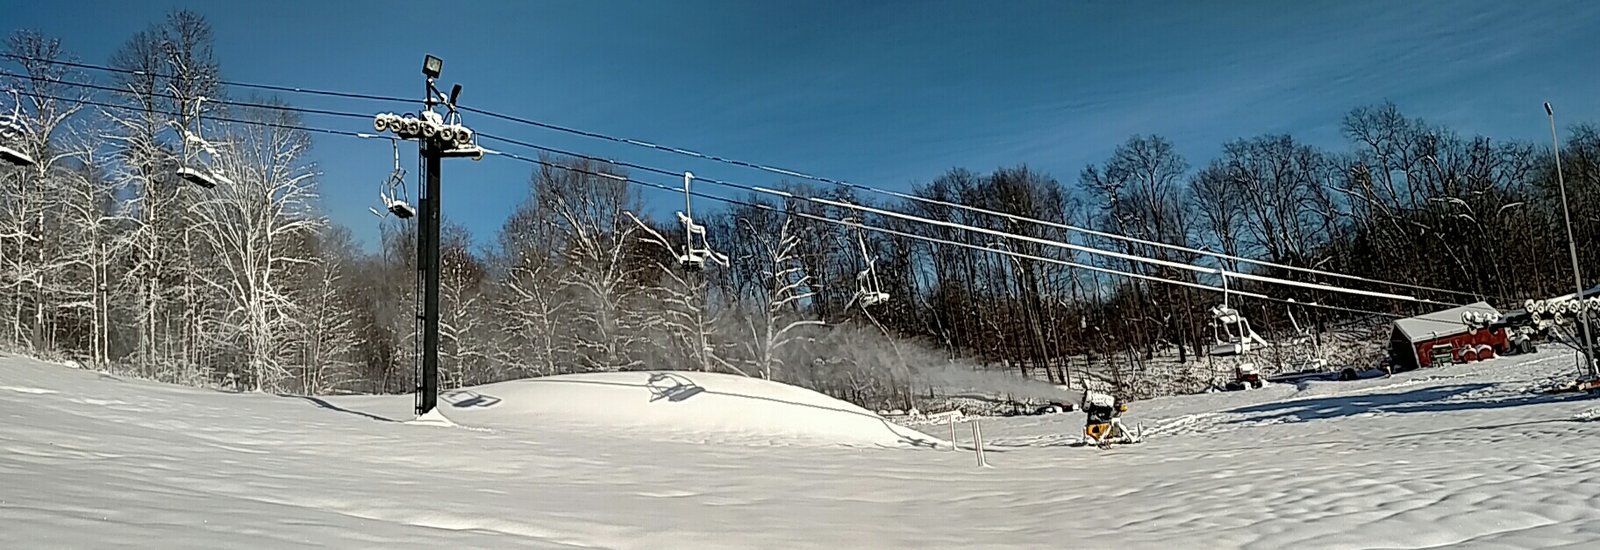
1464,457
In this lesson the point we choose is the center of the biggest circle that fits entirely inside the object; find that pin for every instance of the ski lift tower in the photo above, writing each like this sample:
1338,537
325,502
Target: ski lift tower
439,137
1591,372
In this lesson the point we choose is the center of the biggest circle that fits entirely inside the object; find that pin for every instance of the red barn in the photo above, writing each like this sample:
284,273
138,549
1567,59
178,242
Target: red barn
1442,337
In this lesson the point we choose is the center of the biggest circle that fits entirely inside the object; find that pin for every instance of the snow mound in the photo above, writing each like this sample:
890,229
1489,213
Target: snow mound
677,406
433,418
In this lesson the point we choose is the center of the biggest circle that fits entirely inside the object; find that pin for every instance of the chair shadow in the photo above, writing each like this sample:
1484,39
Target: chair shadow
467,399
320,403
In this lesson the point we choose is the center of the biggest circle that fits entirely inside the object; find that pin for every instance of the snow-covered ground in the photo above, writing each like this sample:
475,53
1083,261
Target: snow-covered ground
1461,457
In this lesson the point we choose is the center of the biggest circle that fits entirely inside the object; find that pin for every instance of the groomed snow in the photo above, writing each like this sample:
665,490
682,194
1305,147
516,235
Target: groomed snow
1458,457
678,406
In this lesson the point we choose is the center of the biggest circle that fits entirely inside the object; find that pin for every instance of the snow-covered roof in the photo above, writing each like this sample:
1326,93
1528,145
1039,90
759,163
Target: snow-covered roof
1440,323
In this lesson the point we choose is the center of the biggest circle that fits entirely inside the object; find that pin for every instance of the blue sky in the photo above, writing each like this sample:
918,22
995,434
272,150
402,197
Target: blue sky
879,93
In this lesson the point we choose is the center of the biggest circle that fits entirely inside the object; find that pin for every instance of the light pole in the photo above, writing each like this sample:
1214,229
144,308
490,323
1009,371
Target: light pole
1572,248
439,137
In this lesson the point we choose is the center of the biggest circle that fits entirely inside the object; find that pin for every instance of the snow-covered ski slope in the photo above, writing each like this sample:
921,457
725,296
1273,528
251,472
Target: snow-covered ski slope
1458,457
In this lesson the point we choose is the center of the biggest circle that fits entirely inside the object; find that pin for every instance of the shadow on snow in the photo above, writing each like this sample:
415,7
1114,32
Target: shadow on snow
332,407
1426,400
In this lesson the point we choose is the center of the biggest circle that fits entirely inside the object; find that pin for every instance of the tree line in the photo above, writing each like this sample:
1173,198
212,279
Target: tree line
108,258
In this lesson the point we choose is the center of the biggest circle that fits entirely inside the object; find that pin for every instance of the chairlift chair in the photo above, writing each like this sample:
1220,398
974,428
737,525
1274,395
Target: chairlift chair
692,262
202,178
15,157
201,175
10,130
1230,330
392,193
1302,335
694,258
402,210
869,290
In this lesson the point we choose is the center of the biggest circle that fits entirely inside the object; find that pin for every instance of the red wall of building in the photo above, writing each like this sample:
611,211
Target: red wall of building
1495,339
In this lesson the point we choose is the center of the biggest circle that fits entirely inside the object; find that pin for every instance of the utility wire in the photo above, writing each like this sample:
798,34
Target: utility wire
792,173
990,232
825,202
214,118
897,233
271,87
289,108
947,204
758,205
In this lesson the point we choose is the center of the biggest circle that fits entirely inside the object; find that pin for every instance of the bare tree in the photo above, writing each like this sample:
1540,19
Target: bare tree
785,285
465,348
530,296
252,226
165,71
531,310
35,266
685,317
326,316
587,201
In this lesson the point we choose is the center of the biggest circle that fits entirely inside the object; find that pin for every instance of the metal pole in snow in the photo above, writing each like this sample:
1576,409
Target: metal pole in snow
953,445
1572,248
977,442
428,237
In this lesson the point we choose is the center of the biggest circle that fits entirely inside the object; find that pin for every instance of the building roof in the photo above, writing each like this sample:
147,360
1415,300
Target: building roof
1440,324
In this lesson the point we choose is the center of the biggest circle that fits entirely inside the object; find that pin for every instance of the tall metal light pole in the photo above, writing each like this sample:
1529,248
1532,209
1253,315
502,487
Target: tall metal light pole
428,264
1572,248
439,137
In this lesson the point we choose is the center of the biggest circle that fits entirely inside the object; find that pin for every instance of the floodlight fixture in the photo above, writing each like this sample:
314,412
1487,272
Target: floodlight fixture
432,66
455,93
15,157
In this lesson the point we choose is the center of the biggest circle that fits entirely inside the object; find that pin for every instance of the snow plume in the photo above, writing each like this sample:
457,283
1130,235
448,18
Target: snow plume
959,379
859,364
